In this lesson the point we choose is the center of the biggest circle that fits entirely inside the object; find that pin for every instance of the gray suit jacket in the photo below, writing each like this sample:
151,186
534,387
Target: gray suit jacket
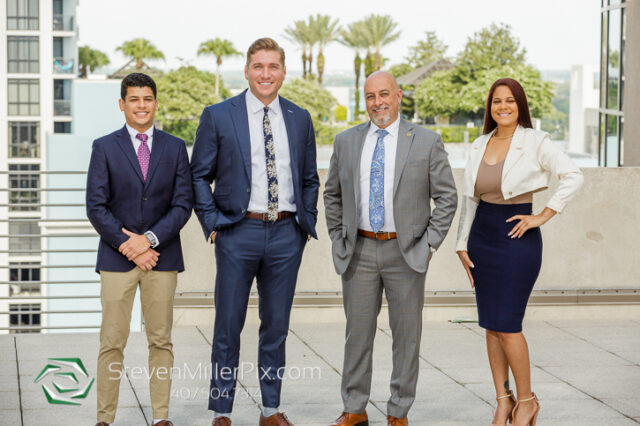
422,173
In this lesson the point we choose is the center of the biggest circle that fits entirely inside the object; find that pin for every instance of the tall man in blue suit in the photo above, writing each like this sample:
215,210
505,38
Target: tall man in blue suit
139,196
259,148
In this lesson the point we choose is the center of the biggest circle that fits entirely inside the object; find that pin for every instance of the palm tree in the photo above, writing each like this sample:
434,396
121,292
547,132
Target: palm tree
90,59
379,32
325,31
300,34
218,48
140,49
353,37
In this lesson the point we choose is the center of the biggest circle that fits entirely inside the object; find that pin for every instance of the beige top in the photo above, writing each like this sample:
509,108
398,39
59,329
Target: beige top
489,185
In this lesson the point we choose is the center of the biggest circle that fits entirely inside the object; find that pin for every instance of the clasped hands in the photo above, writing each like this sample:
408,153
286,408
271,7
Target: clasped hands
138,250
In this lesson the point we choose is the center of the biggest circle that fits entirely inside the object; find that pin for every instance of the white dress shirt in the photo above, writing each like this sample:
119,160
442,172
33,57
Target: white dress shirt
390,145
259,195
136,144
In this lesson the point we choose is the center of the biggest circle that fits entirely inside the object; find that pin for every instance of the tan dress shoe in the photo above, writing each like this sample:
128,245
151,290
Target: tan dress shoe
221,421
164,423
397,421
352,419
278,419
102,424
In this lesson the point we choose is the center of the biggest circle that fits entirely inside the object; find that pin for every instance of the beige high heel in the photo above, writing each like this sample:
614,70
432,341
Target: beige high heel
534,419
513,399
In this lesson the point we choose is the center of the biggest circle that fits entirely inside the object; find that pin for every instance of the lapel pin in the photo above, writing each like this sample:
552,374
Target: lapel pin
408,134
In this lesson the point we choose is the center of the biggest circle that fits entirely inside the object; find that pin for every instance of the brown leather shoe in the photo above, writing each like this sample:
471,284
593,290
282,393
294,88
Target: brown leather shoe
278,419
397,421
102,424
164,423
221,421
352,419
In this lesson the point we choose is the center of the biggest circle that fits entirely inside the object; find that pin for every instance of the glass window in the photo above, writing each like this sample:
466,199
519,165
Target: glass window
24,97
23,187
61,97
612,141
613,66
22,273
622,56
22,54
22,243
24,139
62,127
22,14
26,315
603,59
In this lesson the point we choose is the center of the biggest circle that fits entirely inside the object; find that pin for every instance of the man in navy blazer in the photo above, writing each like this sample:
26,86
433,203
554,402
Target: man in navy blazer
259,148
139,196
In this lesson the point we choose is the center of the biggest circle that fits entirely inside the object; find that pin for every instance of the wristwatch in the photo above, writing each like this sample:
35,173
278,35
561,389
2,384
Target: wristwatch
151,238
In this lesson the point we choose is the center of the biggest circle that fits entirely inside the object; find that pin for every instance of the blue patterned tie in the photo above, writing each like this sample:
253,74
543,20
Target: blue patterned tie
272,171
376,184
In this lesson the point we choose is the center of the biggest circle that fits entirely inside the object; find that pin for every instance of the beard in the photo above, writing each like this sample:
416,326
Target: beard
384,120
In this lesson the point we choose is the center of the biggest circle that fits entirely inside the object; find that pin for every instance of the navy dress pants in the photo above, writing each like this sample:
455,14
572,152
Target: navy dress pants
271,253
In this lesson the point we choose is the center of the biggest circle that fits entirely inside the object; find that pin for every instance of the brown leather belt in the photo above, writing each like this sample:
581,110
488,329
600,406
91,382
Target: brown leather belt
379,235
265,216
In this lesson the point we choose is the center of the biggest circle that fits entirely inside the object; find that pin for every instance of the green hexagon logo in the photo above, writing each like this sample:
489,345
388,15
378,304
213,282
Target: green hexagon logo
68,381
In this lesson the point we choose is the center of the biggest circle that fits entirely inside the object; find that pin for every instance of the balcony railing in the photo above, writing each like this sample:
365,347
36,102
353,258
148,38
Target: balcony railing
63,66
63,22
62,107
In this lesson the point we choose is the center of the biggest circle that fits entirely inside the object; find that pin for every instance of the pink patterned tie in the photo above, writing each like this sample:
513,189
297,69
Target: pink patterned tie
143,154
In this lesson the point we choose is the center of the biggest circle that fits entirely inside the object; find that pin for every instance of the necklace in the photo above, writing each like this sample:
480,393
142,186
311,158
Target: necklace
503,137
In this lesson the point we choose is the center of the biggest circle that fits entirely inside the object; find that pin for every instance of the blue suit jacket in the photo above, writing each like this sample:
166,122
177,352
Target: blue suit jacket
117,197
222,152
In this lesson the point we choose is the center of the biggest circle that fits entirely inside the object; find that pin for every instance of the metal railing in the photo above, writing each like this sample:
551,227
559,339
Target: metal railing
63,22
63,66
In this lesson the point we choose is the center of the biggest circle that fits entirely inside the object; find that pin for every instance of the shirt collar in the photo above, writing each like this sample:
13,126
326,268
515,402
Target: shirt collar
255,105
133,132
392,129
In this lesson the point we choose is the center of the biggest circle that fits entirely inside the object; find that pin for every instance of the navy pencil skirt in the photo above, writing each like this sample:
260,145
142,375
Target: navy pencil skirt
505,268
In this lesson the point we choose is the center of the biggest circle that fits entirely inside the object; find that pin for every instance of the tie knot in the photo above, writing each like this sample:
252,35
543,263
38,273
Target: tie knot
382,133
142,137
266,110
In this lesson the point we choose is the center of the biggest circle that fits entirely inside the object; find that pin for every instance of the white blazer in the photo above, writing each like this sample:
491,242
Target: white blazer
531,160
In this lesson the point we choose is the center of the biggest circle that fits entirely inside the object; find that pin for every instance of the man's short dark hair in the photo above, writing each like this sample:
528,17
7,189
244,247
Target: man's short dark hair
137,79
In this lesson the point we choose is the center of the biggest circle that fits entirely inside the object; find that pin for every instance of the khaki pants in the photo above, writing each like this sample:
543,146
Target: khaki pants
118,289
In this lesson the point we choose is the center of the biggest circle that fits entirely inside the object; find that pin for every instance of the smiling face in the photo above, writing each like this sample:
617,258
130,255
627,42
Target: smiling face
504,109
265,74
139,107
383,98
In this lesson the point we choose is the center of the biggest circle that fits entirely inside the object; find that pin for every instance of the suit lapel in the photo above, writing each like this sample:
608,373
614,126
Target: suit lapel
157,149
124,141
292,137
515,151
405,139
240,120
358,145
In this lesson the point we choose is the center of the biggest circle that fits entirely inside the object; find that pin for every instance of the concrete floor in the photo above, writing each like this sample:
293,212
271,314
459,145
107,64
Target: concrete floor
585,373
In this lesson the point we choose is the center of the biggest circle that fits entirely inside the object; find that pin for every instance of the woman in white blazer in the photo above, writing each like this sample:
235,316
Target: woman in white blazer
499,241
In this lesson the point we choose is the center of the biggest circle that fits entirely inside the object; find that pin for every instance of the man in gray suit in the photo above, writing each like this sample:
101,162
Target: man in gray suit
382,177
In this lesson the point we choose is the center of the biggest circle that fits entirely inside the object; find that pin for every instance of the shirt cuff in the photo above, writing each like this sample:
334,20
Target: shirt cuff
153,240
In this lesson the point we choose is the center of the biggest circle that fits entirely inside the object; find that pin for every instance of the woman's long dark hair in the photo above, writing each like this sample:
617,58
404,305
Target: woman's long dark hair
524,118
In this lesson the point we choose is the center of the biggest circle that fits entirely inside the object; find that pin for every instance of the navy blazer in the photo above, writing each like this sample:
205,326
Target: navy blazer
222,152
117,197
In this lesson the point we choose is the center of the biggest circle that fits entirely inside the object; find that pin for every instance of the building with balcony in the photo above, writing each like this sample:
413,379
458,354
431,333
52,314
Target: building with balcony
36,73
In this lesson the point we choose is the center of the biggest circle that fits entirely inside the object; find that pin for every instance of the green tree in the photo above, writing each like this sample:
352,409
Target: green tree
490,48
140,49
90,59
182,95
310,96
299,33
219,48
426,51
379,32
438,95
353,37
324,31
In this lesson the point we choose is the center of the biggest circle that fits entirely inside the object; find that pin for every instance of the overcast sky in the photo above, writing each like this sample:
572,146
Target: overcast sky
555,33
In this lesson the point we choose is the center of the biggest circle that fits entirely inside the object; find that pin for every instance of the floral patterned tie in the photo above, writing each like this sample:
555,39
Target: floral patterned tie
272,172
376,184
144,154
